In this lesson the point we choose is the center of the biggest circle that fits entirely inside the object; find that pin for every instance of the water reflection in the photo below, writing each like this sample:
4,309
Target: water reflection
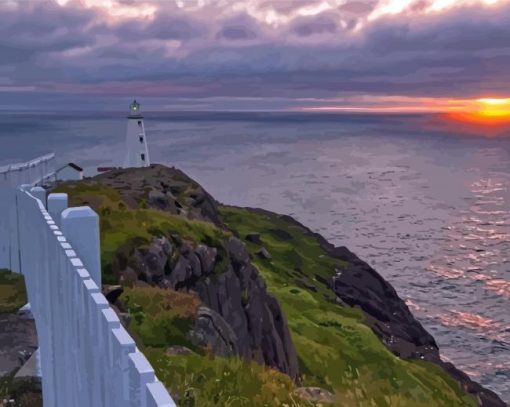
475,256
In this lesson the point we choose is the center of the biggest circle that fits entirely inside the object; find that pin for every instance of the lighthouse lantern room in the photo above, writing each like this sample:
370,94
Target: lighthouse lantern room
137,153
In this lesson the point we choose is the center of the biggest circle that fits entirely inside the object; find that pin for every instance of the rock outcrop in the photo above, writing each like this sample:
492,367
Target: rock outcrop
390,318
359,285
240,317
212,331
160,187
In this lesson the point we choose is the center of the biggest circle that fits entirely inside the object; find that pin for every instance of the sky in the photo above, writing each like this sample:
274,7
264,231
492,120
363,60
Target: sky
253,54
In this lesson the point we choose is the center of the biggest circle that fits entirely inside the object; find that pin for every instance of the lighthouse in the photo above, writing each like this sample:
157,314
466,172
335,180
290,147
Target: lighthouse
137,153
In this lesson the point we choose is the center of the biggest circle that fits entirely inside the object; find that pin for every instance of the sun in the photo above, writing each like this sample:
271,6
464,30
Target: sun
491,107
483,112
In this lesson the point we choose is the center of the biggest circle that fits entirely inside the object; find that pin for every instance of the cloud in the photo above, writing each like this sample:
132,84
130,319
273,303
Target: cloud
256,48
168,24
358,7
238,28
38,27
236,32
318,24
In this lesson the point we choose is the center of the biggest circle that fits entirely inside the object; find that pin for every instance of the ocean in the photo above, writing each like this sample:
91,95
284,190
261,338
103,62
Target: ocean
421,198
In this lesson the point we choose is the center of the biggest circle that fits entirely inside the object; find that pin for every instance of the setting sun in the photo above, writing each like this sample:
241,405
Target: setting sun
494,107
483,111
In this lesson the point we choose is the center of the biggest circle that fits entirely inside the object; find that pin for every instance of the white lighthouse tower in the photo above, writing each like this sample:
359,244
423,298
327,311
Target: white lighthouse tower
137,153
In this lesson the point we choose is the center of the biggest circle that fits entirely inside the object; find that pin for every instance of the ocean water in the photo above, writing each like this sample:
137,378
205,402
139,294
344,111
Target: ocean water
424,200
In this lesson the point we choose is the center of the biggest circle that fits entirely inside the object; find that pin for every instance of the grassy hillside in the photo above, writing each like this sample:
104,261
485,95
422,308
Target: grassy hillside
336,349
122,227
160,320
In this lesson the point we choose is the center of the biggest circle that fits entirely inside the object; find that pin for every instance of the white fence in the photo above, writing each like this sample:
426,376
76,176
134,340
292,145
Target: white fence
31,172
11,177
87,358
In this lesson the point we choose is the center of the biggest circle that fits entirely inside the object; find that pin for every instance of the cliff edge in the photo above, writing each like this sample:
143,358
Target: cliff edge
213,292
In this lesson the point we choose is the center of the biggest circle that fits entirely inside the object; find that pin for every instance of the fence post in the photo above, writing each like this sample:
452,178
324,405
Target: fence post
57,203
97,304
81,227
122,346
108,322
157,396
140,374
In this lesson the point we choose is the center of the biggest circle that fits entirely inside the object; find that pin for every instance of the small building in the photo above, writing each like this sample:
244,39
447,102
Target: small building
69,172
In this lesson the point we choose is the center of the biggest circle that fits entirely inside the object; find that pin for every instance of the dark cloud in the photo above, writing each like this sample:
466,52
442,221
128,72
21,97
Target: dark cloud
42,27
168,25
319,24
182,53
236,32
239,27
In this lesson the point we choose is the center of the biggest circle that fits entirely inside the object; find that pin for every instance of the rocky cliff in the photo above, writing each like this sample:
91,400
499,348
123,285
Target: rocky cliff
270,291
360,285
240,317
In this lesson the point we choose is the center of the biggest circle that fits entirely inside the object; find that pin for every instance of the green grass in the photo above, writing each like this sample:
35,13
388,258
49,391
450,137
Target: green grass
206,381
160,317
336,349
123,228
12,292
126,229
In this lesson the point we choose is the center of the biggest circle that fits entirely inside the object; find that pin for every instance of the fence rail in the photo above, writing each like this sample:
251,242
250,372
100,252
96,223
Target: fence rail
30,172
87,357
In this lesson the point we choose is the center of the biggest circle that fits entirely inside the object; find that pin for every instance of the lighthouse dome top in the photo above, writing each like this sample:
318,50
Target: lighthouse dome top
134,109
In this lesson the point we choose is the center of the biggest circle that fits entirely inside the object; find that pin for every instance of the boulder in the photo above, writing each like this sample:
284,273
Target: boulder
281,234
211,330
161,200
150,261
112,292
263,254
253,237
181,273
207,256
